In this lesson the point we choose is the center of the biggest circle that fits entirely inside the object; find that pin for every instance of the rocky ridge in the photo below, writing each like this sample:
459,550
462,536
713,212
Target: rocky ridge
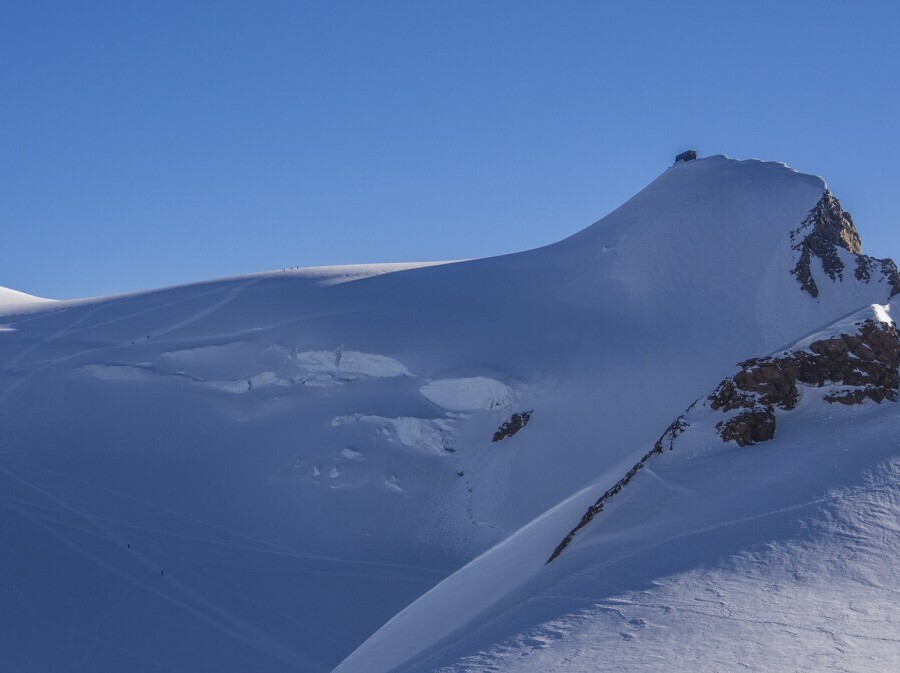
826,228
866,364
866,266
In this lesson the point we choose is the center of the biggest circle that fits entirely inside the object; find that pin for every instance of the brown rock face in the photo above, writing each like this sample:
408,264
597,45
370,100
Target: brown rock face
866,266
866,361
826,228
749,427
515,423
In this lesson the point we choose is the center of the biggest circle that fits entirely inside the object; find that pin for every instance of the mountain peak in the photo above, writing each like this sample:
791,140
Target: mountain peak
825,230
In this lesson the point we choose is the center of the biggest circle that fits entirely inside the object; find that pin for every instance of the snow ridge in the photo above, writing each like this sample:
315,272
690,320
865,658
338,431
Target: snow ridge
860,366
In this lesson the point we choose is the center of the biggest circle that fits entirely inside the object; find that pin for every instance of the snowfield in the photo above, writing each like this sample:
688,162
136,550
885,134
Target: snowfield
294,470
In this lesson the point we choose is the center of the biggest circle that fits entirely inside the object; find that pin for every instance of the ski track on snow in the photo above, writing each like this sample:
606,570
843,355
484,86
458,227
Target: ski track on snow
234,292
193,603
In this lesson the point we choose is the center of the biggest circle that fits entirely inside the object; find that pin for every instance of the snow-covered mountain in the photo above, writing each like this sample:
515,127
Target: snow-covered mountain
289,470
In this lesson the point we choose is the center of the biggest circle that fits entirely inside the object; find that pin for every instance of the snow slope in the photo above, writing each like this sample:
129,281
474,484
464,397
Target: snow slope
713,557
257,473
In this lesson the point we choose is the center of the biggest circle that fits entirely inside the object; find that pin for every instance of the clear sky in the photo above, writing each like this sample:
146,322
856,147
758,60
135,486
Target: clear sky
145,144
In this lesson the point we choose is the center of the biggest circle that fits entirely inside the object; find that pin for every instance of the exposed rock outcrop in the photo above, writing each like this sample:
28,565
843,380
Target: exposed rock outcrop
825,229
665,441
867,363
866,266
515,423
749,427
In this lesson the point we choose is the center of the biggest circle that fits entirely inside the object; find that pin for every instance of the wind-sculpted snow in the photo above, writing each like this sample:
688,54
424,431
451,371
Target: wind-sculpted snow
817,595
238,367
337,364
342,363
434,435
477,393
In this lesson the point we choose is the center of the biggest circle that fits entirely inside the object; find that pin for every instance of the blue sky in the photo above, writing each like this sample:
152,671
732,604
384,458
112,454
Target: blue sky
151,143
